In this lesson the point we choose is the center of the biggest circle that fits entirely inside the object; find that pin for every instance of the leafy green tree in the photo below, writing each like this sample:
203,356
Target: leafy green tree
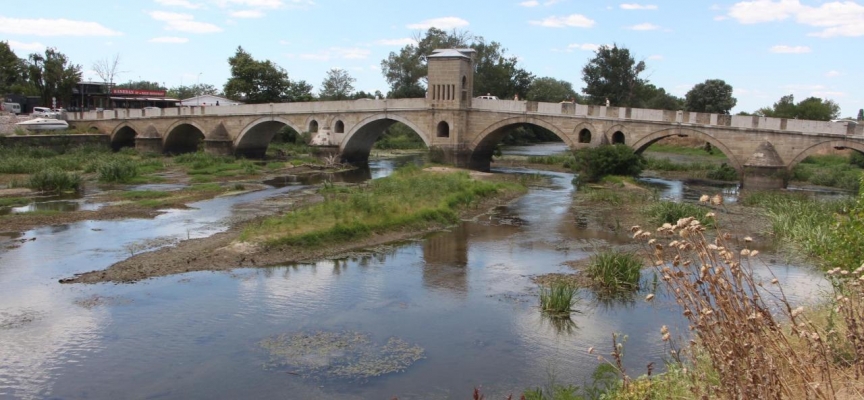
199,89
612,74
494,72
498,74
53,76
711,96
783,108
596,162
338,85
13,72
812,108
256,81
364,95
650,96
551,90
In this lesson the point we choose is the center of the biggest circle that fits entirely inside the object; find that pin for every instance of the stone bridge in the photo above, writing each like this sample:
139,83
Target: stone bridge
466,130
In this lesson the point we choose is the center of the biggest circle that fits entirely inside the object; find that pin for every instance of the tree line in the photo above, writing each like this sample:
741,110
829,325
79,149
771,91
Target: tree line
613,76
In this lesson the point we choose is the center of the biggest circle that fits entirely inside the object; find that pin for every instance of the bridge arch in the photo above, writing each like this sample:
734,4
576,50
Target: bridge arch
648,140
484,145
182,137
256,136
357,145
826,146
617,134
123,136
587,134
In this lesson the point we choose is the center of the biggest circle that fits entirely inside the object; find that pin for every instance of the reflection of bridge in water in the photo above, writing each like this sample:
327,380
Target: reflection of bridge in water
465,130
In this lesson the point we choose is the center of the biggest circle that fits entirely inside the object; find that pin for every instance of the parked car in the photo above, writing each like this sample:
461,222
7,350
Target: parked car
487,97
44,112
13,108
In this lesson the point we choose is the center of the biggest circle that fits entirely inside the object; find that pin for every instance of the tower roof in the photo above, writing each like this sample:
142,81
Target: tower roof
452,53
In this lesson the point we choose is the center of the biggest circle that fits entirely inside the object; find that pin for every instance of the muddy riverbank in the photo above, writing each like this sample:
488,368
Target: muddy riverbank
225,251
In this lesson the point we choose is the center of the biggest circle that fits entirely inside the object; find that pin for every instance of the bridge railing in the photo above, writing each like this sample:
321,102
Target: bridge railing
667,116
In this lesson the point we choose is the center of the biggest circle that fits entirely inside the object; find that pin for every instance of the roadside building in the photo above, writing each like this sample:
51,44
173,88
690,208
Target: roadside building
208,100
88,96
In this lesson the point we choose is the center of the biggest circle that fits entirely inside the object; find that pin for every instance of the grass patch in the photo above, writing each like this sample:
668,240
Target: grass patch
665,211
54,181
145,194
685,150
558,299
615,272
206,187
14,201
564,160
410,198
118,171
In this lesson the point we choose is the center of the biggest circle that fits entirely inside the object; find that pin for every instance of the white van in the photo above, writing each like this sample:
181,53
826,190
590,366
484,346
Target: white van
43,112
13,108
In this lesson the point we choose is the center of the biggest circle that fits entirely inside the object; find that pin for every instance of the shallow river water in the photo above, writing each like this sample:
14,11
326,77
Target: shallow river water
464,296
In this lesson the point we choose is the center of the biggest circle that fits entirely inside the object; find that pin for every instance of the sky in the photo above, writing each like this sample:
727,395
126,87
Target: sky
763,48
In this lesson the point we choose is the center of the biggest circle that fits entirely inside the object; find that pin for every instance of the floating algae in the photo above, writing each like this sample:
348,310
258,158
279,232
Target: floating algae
346,355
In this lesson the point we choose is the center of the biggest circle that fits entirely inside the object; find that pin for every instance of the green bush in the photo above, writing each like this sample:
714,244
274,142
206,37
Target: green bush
597,162
118,171
54,181
614,272
666,211
723,172
558,299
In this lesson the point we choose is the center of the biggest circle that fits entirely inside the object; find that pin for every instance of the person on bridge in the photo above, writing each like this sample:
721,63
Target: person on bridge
607,102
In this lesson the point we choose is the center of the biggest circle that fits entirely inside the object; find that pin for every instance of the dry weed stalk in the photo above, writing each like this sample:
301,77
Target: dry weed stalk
755,354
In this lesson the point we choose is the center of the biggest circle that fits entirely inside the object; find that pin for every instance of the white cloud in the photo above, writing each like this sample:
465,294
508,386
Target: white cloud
783,49
183,22
828,94
656,57
644,27
636,6
836,18
721,18
284,42
180,3
532,3
169,39
440,23
53,27
396,42
247,14
270,4
352,53
573,20
35,46
833,74
583,46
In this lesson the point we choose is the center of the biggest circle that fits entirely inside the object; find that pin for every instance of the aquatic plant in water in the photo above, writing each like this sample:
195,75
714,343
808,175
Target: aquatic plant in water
346,355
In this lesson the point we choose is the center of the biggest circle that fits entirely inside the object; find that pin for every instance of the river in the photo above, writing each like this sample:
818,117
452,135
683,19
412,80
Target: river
464,296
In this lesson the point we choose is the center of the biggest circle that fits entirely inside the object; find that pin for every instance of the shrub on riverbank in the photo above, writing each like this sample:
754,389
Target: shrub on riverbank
118,171
830,230
665,211
594,163
54,181
830,170
410,198
614,272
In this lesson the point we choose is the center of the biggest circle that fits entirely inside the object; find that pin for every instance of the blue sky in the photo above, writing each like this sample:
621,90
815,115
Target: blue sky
763,48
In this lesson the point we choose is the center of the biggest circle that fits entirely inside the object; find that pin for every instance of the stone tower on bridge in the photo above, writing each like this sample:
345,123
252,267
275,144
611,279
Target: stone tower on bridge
449,95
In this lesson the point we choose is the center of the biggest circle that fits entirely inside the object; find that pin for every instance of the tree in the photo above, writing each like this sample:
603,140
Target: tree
814,108
596,162
551,90
494,72
107,69
498,74
861,114
338,85
612,74
53,76
199,89
783,108
13,72
650,96
256,81
711,96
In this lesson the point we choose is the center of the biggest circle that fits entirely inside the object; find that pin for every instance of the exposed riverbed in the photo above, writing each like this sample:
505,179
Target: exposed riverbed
428,318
